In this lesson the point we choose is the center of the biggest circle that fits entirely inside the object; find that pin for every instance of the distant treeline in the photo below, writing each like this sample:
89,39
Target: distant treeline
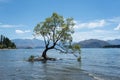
112,46
6,43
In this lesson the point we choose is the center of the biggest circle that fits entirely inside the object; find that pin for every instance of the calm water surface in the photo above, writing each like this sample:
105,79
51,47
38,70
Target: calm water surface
97,64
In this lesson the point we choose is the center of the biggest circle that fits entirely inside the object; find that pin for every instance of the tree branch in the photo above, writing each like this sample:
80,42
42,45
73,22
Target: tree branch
60,46
60,50
44,40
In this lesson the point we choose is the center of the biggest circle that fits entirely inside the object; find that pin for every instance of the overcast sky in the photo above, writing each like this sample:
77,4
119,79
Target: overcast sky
95,19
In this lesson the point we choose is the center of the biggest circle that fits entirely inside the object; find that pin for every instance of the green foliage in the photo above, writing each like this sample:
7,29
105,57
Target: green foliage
75,48
79,59
6,43
31,58
57,33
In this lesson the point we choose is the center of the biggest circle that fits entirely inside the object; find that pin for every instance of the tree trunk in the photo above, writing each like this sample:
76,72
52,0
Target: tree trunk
44,54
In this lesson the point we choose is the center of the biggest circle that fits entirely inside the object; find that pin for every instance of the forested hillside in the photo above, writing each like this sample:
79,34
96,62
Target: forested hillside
6,43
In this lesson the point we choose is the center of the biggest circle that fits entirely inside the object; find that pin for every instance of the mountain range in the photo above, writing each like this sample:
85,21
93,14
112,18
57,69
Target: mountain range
91,43
28,43
114,42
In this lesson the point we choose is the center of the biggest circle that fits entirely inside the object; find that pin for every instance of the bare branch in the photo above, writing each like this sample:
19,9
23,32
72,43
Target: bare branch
60,50
60,46
75,55
45,41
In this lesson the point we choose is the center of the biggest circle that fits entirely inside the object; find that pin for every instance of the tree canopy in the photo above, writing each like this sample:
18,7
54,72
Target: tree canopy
57,34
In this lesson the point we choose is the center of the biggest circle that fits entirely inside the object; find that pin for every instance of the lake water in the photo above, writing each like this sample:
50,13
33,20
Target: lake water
96,64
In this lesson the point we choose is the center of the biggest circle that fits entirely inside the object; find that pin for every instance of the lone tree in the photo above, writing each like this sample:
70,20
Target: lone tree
57,34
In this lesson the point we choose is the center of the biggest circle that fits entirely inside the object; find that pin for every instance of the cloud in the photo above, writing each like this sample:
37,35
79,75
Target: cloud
90,25
100,31
118,27
103,23
10,26
7,26
19,31
114,20
95,34
26,31
22,31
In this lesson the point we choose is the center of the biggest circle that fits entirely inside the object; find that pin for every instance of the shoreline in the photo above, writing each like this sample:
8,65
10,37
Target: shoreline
7,49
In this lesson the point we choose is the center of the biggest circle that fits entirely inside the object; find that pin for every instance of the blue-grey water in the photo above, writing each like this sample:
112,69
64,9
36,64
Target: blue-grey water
96,64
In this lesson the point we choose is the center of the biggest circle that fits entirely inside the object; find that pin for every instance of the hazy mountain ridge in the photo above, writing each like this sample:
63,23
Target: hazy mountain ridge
28,43
95,43
91,43
114,42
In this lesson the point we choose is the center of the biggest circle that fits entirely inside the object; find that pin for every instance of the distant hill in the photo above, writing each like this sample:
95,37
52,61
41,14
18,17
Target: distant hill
28,43
114,42
93,43
112,46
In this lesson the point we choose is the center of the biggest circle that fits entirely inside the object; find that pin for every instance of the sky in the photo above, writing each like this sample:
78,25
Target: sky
94,19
